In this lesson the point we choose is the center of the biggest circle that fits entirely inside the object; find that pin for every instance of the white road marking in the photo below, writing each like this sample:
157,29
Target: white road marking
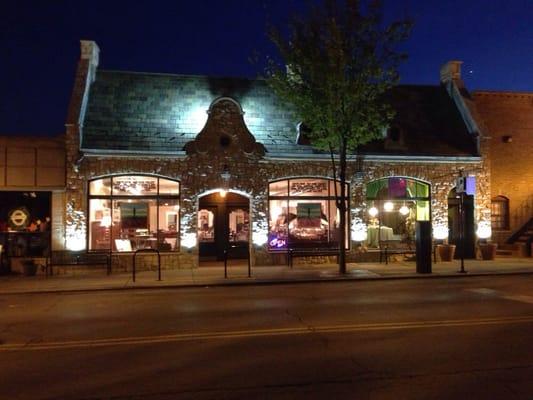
502,295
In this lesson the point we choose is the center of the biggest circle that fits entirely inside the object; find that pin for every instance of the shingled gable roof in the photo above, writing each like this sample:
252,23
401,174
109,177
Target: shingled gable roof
159,113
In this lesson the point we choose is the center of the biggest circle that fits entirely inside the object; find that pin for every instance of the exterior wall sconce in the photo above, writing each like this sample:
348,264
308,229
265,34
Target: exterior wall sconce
225,175
373,211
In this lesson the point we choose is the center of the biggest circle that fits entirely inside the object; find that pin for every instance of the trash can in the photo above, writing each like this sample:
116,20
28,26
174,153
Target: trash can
423,247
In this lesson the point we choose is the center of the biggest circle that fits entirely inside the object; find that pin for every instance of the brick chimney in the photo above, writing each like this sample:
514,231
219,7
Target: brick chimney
90,52
451,72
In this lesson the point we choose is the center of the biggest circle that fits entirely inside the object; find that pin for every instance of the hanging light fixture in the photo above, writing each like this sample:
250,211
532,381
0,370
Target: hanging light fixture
373,211
388,206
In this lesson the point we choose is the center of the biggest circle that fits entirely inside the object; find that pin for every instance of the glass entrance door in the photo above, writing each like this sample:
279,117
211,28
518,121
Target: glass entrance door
223,224
238,231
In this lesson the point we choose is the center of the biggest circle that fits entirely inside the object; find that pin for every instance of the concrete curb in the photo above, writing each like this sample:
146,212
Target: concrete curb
266,282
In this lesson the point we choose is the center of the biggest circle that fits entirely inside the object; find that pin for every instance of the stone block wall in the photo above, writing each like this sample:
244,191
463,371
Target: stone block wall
226,145
249,176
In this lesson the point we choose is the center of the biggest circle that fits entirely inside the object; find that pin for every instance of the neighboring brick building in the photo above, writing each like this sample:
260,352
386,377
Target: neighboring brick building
508,120
32,194
150,157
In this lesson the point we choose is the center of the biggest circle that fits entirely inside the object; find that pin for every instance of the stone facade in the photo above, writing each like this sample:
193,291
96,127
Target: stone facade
250,172
226,155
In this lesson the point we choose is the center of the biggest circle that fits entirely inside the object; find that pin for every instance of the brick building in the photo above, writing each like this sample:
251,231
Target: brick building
32,194
508,121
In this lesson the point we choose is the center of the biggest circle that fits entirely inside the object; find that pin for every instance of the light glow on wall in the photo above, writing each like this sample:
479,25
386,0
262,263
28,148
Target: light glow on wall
484,230
260,237
440,232
359,232
188,240
75,240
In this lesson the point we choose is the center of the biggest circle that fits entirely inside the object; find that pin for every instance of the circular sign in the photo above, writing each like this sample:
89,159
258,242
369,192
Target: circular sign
19,218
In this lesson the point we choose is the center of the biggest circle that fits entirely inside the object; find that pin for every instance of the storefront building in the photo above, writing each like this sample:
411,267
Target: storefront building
192,165
32,190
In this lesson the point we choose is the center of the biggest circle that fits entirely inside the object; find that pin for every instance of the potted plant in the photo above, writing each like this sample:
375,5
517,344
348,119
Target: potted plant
487,250
29,268
446,251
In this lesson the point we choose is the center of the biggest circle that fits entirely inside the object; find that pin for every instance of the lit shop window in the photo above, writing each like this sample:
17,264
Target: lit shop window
303,213
394,205
132,212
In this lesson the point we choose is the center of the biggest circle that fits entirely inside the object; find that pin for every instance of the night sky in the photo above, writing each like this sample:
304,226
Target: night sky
39,41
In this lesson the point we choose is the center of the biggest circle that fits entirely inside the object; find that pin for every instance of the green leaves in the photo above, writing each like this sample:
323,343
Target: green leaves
341,61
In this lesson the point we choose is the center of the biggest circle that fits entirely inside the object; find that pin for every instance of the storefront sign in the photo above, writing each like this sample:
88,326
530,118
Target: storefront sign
132,185
309,187
19,218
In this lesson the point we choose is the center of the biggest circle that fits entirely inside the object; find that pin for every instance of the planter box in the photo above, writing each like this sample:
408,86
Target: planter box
488,251
446,252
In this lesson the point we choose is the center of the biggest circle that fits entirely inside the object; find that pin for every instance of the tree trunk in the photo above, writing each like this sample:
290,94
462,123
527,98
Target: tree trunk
340,200
341,204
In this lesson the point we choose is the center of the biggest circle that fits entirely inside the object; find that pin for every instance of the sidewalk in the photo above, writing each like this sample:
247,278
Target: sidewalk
238,275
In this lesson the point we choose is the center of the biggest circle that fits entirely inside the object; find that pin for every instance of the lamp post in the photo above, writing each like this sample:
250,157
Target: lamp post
462,231
460,188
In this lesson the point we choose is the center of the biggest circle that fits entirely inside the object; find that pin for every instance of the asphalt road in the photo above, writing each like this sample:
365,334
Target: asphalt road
469,338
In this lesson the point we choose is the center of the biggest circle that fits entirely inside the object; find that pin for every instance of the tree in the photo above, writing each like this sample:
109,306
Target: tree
339,60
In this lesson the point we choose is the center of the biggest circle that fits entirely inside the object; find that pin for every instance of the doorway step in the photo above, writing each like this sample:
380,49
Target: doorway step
524,237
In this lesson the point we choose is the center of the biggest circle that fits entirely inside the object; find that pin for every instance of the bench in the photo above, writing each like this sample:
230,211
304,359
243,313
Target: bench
394,247
58,259
310,252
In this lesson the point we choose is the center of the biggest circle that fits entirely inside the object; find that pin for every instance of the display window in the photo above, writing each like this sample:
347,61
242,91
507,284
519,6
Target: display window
25,223
394,205
132,212
303,213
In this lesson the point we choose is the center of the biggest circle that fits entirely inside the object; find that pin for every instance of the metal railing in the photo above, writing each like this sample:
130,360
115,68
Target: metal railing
133,270
226,254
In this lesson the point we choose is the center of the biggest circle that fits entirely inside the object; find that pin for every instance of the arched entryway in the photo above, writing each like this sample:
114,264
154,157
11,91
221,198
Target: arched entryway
454,224
223,223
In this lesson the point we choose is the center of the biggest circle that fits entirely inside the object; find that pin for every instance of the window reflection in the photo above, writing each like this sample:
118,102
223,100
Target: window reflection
206,227
238,226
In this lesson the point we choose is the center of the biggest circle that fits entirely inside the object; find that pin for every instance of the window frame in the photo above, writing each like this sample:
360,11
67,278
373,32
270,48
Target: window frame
287,198
111,197
377,199
503,219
